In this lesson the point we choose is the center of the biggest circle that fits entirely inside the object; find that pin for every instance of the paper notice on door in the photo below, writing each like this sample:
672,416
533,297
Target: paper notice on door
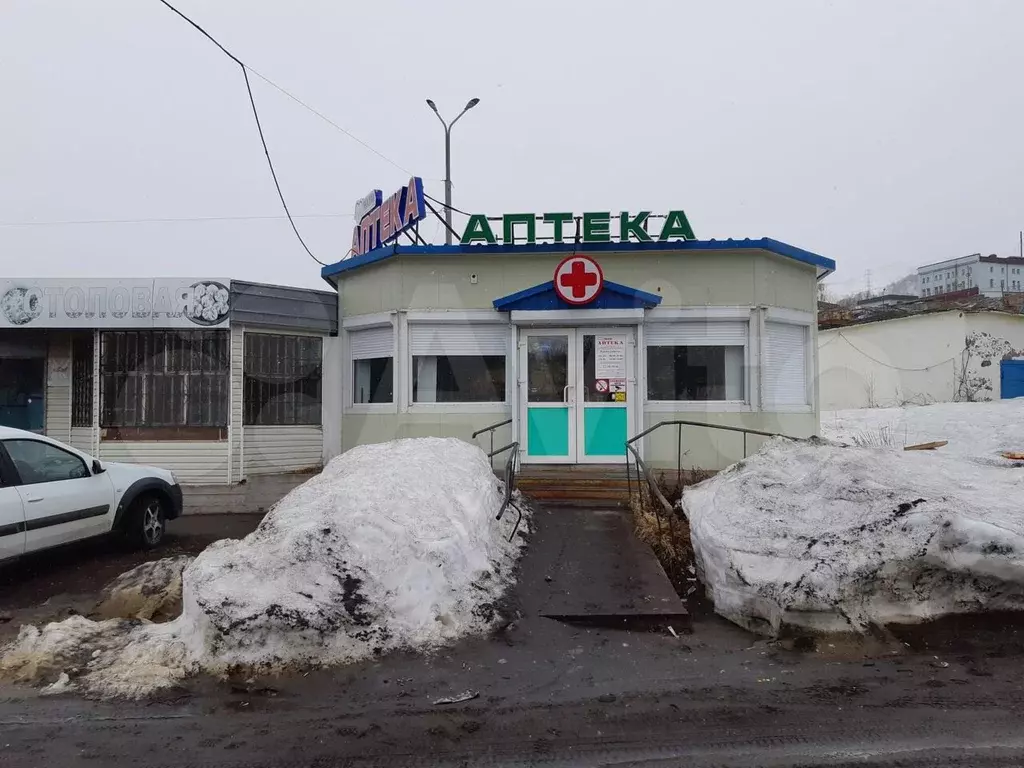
616,385
610,358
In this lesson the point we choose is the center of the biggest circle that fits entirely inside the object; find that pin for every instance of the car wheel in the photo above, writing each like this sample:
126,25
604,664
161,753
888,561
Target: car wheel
147,522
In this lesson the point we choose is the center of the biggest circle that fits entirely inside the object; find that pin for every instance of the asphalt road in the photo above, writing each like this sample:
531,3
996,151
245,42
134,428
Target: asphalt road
549,693
552,694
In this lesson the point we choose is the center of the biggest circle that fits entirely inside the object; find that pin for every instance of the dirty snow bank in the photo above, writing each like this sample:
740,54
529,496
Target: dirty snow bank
150,591
819,536
391,546
977,432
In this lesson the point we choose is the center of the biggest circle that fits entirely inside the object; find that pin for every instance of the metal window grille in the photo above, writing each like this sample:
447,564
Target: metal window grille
81,381
283,383
164,378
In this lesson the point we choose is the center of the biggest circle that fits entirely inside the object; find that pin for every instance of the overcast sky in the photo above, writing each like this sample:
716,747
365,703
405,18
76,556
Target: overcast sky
881,134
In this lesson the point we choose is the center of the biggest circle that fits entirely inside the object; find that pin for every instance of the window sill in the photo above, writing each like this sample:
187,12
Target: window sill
372,408
163,434
768,408
318,425
698,406
495,408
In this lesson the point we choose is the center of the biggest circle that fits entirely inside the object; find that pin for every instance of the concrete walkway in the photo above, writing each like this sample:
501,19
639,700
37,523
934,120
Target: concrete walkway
587,565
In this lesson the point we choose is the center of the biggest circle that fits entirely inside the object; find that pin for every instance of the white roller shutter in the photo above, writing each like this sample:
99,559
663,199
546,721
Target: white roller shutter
368,343
697,333
785,364
457,339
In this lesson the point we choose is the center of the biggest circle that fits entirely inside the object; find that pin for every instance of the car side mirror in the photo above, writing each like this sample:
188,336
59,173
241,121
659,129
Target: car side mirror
97,468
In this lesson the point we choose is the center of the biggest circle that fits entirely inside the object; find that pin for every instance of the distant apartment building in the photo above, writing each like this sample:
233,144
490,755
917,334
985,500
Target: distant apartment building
992,276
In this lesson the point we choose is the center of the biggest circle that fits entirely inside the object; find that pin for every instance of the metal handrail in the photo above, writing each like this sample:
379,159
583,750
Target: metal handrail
652,483
679,424
491,430
511,467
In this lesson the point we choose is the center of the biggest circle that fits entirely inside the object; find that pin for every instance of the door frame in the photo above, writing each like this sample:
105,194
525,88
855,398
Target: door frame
575,333
519,413
631,390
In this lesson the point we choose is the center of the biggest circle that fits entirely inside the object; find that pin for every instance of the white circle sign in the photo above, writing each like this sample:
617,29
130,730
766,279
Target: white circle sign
578,279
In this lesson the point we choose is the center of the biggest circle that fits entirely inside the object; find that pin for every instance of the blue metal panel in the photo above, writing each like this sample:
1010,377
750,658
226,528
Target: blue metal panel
1012,379
543,296
824,266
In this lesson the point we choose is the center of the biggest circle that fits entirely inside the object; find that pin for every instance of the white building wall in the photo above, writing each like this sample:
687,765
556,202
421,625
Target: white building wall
236,431
82,439
275,450
333,362
57,397
194,462
915,360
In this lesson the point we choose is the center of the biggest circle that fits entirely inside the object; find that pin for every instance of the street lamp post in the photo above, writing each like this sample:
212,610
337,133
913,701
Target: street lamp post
448,161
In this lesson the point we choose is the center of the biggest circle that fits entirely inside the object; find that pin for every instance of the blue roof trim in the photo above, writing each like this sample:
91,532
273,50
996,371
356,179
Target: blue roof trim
544,296
825,266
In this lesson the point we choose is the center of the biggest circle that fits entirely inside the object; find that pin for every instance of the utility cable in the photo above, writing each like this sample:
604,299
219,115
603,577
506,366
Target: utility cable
259,126
171,220
896,367
445,205
328,120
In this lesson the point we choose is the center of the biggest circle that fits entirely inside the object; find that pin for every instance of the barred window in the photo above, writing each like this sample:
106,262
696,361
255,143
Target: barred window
283,379
81,380
164,378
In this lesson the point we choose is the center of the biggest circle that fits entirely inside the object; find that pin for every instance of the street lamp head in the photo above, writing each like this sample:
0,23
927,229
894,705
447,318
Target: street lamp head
472,103
432,105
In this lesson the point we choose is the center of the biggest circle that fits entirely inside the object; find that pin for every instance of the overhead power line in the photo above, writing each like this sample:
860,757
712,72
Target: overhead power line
328,120
259,125
170,220
445,205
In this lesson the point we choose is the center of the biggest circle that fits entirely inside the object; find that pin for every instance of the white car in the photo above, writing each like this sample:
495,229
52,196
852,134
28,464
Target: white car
53,494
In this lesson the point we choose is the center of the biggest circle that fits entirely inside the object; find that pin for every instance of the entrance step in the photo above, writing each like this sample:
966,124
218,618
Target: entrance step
576,485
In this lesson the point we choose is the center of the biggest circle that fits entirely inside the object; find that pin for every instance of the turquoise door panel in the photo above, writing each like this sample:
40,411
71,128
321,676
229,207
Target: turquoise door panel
547,431
604,431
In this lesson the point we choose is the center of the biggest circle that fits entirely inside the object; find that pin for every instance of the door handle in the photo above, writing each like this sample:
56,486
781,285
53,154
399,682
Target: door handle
34,499
565,393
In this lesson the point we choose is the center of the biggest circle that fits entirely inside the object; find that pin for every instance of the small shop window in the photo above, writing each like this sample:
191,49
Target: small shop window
81,380
171,380
695,373
455,363
697,361
283,380
373,371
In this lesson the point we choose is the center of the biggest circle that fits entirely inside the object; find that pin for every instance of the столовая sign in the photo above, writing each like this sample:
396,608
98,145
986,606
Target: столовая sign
596,227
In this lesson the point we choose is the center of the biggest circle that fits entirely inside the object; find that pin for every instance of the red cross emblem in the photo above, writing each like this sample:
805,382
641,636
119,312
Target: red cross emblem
578,279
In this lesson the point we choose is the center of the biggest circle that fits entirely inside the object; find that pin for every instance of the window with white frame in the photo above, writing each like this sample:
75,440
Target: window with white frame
373,370
458,363
702,360
785,364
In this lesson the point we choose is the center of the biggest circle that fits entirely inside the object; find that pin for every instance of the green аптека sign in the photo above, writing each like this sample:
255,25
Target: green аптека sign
594,227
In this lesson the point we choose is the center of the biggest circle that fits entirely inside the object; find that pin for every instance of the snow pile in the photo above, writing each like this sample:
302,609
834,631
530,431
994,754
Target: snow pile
819,536
977,432
391,546
151,591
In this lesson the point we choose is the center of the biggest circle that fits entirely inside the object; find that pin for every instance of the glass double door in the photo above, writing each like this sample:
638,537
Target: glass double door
576,394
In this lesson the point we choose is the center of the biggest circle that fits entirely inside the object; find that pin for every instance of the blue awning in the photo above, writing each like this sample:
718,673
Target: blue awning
544,296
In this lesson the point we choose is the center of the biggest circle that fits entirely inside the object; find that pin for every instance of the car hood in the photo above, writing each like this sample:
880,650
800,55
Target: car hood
133,472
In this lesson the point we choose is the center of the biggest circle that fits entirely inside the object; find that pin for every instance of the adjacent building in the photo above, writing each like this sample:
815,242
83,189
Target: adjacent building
217,380
990,276
571,347
934,350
